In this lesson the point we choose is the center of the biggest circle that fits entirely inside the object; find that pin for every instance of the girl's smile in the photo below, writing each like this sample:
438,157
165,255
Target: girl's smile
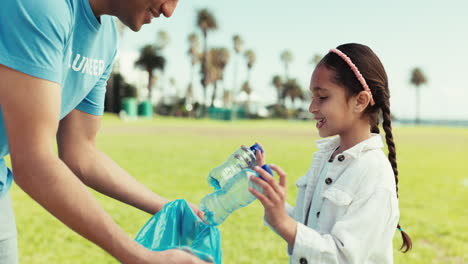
320,122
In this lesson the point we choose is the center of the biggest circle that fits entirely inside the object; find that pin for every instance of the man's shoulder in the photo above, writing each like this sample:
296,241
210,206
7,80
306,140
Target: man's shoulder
36,33
40,10
45,17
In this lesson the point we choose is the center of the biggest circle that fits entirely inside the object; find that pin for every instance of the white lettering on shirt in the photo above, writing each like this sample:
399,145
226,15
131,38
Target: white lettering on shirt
87,65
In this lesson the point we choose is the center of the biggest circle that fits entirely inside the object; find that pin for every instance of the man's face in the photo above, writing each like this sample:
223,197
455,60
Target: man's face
135,13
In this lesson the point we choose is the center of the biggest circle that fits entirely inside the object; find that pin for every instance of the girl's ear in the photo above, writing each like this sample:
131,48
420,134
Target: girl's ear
361,102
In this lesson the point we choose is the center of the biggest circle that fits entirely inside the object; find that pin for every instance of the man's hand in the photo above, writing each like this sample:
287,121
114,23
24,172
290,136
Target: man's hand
176,256
197,211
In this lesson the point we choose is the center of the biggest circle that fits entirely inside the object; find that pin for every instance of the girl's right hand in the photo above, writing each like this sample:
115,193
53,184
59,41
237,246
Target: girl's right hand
273,200
261,157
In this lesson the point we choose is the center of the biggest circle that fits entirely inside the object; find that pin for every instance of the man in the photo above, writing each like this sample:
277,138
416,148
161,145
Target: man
55,58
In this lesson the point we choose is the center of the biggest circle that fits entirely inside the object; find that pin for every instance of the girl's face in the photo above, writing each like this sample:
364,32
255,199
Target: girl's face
331,109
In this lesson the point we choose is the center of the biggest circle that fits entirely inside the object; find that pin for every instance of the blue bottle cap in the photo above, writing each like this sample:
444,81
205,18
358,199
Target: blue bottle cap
268,169
256,147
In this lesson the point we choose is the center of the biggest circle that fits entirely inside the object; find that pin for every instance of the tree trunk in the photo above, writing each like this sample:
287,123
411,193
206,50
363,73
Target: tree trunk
417,105
234,86
204,70
235,89
279,94
213,96
190,98
150,83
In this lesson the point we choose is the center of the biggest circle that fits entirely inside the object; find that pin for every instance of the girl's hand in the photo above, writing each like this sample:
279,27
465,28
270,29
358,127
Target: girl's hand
274,195
261,157
273,200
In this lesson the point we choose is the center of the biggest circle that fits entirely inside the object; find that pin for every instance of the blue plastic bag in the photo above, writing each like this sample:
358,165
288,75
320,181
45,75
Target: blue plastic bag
177,226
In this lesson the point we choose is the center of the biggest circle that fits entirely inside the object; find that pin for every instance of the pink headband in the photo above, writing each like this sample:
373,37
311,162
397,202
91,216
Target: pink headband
356,72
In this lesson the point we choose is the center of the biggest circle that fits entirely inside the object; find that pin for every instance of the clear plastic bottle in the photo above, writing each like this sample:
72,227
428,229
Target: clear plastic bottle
242,158
235,194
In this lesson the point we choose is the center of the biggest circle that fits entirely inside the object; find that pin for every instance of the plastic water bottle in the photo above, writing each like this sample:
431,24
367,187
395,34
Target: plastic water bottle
235,194
242,158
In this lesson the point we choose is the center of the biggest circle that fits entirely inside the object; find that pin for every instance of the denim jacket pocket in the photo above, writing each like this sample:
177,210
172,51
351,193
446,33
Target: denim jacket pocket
337,197
335,204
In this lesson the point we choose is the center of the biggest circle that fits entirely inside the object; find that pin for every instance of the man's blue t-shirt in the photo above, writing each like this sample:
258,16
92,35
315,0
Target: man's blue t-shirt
61,41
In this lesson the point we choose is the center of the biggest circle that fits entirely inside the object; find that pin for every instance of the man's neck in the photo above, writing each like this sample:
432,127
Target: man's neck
99,7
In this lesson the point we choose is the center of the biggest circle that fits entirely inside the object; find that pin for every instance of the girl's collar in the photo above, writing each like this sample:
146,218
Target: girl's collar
330,144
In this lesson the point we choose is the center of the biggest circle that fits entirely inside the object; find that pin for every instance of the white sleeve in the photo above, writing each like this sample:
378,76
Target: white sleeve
361,226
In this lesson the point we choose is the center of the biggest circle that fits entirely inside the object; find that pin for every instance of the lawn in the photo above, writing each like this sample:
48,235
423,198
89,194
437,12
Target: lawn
173,157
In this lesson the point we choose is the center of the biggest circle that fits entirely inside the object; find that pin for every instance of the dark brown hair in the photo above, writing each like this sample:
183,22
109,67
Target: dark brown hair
374,73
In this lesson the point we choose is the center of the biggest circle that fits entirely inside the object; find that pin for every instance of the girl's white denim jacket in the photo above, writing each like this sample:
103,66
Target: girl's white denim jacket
359,213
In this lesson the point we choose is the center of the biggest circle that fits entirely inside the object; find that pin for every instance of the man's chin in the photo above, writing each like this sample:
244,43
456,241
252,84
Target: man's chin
136,28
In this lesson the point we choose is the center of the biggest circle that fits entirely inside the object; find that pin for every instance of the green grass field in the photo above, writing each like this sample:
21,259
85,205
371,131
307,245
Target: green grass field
173,157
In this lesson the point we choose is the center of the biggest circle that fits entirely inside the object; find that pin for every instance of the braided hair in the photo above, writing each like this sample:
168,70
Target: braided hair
376,78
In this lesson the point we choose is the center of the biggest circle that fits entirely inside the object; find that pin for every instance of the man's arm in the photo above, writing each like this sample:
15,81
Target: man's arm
77,148
31,109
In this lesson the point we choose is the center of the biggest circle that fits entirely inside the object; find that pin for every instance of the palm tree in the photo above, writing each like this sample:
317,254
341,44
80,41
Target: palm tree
315,59
162,39
194,55
251,58
286,58
237,42
418,78
194,45
218,58
293,90
278,84
248,90
206,22
227,97
149,60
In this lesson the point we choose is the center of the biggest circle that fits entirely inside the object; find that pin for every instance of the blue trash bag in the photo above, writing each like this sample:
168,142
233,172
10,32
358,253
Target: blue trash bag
176,226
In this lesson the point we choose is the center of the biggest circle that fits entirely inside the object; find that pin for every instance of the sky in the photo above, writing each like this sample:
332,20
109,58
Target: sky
431,35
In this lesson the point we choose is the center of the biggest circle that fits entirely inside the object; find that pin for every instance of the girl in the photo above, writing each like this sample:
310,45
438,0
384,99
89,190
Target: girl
347,206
